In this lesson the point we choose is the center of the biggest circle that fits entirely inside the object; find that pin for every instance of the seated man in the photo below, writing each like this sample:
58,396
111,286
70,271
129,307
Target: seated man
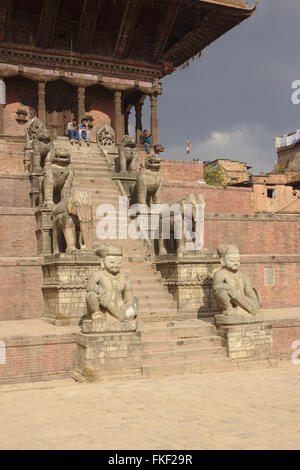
109,291
73,131
84,134
232,287
146,140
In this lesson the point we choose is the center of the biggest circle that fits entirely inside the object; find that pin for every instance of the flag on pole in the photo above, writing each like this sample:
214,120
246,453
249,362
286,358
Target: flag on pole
188,147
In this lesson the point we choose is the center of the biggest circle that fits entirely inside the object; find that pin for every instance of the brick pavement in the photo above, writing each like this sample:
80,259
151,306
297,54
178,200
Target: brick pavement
254,409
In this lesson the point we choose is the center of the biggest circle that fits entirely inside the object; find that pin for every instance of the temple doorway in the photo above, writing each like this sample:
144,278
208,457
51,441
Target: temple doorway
61,106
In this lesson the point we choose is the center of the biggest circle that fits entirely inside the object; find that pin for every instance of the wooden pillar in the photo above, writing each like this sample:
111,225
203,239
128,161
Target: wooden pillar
42,101
2,104
138,122
81,102
126,117
154,122
118,116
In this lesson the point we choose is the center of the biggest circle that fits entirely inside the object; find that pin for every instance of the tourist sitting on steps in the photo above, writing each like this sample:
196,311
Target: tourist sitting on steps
84,134
72,131
146,140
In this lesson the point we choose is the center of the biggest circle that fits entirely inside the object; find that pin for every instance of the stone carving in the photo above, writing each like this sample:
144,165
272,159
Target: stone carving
178,245
33,126
73,218
149,181
58,177
42,149
237,300
106,135
109,291
127,154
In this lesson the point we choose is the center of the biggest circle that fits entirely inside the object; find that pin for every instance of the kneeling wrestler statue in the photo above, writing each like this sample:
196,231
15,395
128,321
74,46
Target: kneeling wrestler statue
109,291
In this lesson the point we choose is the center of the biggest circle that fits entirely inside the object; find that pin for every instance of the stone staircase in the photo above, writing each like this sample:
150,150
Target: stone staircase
169,346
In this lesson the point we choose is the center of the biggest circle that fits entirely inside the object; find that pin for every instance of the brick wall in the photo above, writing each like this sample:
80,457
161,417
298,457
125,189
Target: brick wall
14,191
99,103
21,281
17,232
254,234
12,155
30,359
285,332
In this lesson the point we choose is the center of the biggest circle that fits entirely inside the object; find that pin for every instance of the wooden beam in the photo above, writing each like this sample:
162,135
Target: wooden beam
87,26
5,17
129,19
165,29
47,23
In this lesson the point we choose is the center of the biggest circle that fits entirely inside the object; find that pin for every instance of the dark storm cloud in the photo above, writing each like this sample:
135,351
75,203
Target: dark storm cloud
237,97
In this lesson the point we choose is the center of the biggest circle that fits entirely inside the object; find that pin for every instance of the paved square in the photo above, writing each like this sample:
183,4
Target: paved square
254,409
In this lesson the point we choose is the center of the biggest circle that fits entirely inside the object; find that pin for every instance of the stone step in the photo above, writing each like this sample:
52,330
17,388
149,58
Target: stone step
178,332
187,343
200,366
178,355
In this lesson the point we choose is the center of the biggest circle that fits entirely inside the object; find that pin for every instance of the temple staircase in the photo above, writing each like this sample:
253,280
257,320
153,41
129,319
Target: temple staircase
169,345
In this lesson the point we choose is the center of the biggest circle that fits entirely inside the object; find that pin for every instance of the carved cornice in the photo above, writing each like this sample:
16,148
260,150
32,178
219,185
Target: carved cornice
77,64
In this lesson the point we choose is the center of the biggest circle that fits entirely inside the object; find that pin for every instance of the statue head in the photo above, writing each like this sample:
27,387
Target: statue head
111,258
43,135
230,257
128,141
151,162
61,157
32,113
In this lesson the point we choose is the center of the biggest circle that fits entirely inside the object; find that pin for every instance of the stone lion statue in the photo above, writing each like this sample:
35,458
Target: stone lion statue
127,154
149,182
58,178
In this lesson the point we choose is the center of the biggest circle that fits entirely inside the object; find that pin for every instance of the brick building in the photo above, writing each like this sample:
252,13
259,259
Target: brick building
233,171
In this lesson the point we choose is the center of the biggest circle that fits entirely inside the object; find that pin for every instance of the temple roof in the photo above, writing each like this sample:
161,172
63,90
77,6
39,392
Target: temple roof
157,34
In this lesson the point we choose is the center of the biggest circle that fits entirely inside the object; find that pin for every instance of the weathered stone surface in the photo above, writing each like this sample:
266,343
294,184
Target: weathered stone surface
189,280
64,286
108,326
128,154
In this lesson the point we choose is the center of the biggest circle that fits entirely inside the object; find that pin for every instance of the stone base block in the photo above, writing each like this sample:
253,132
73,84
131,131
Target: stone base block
108,354
248,341
240,317
189,280
108,326
64,287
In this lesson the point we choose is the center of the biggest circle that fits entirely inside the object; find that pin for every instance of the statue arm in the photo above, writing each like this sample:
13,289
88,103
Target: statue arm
93,284
66,191
219,282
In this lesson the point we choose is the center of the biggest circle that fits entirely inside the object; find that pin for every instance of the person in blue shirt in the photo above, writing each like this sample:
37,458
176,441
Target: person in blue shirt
146,140
84,134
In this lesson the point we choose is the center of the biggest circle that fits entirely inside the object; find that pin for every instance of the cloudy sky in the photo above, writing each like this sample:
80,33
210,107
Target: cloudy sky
234,100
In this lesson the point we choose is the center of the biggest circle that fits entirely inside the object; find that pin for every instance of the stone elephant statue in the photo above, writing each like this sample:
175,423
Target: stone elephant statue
73,223
173,244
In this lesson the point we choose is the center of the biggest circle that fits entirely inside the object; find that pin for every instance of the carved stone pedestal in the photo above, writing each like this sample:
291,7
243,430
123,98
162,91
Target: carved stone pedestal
108,348
44,231
189,280
36,179
248,341
64,286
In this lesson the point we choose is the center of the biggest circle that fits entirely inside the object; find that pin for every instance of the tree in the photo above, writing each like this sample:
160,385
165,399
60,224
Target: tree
214,175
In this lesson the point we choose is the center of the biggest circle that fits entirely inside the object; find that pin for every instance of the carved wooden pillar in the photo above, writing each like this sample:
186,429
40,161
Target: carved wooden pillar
138,122
2,104
81,102
118,116
154,122
42,101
